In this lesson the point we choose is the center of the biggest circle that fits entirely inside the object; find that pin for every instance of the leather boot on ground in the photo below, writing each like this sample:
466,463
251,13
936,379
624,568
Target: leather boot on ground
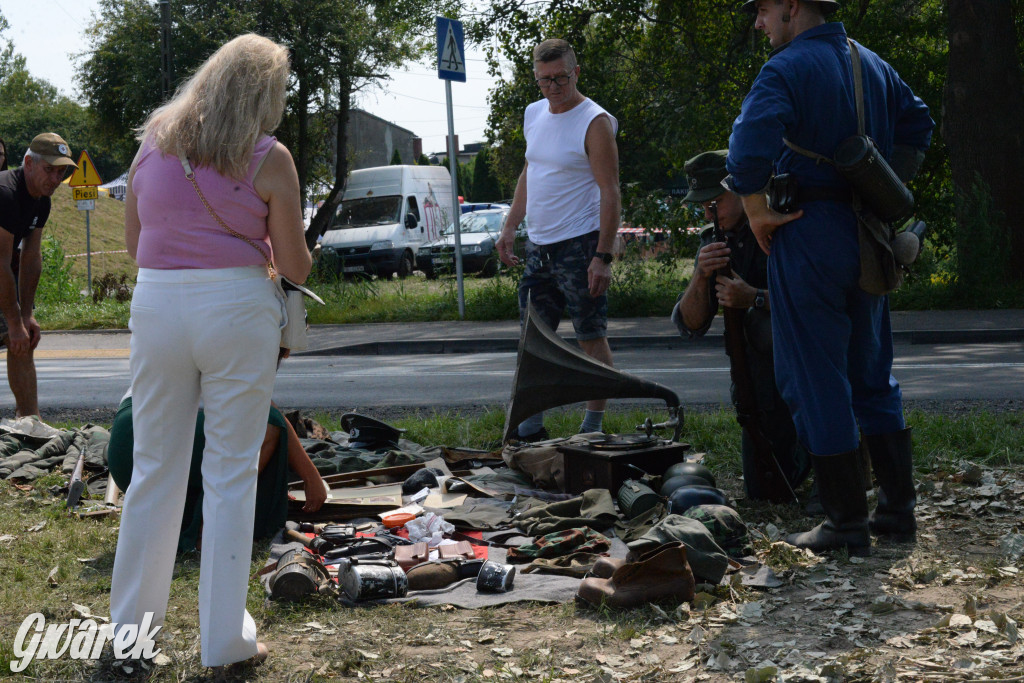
840,481
606,566
893,462
661,574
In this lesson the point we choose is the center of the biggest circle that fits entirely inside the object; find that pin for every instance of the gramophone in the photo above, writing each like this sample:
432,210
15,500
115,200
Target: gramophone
550,372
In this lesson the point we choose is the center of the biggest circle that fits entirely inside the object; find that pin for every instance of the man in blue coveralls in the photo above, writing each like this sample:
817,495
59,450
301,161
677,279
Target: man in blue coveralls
832,340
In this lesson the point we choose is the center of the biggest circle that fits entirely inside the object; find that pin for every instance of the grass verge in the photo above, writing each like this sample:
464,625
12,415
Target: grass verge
59,565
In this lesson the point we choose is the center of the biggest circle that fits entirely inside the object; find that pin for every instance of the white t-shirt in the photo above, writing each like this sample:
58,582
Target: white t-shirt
562,198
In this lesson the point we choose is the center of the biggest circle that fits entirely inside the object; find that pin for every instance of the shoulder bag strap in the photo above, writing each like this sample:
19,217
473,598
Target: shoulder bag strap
190,174
858,91
858,85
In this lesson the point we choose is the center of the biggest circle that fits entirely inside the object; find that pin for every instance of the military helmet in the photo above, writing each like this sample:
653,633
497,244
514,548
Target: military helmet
686,467
684,498
681,480
827,6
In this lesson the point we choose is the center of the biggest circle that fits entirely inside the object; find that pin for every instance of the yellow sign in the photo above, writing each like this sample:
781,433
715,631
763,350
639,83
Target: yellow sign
85,175
82,193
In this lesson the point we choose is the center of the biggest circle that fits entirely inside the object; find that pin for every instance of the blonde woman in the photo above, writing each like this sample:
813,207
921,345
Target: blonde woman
206,324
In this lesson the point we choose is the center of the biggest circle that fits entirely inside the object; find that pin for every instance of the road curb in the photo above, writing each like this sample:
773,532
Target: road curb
506,345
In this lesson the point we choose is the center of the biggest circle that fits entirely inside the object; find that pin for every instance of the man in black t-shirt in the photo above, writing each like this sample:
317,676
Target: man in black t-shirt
24,207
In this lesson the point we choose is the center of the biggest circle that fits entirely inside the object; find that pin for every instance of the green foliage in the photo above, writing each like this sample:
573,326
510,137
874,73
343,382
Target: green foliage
644,287
675,74
640,287
991,439
56,285
486,187
337,47
30,106
396,158
463,176
982,255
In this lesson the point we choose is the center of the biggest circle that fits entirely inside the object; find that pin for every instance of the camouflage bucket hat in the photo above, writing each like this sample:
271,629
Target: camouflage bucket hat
704,174
725,525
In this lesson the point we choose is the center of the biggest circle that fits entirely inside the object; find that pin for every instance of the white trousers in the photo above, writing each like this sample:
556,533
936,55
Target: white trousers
209,335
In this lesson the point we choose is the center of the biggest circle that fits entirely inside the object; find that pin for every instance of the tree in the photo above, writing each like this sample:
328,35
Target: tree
464,179
485,184
674,75
30,106
337,48
396,158
984,105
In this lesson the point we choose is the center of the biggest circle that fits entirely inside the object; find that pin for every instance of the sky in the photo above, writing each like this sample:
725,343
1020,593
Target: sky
51,33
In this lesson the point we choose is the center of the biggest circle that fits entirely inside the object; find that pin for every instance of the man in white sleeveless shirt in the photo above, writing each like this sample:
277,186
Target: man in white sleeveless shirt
569,190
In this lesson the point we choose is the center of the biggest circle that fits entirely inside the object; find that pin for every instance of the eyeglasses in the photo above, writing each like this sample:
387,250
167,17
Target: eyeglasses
557,80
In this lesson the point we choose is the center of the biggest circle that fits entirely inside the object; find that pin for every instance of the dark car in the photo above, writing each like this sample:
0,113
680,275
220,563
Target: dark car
479,232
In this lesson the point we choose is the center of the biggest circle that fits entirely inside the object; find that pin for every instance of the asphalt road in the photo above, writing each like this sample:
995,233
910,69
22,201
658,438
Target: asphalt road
699,374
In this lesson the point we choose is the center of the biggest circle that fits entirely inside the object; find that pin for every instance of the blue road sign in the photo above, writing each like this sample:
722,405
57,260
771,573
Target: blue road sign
451,55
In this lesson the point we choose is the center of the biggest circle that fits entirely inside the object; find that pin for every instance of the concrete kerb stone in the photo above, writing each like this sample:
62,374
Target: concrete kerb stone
505,345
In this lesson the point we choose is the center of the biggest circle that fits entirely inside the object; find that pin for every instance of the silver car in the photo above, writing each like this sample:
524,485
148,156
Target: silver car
479,232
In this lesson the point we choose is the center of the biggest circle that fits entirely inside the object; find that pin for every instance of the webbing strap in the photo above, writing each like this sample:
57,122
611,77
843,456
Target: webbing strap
858,85
818,158
858,92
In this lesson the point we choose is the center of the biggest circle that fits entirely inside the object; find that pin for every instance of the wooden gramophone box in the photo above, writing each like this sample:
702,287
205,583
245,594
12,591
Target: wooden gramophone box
606,463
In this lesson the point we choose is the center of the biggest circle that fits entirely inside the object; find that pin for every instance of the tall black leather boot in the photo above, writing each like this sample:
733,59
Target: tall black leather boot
893,463
841,489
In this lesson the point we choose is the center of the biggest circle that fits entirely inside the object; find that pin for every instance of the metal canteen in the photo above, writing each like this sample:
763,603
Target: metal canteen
372,579
635,498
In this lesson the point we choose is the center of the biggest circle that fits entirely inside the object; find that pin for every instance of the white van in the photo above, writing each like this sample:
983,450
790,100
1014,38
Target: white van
386,213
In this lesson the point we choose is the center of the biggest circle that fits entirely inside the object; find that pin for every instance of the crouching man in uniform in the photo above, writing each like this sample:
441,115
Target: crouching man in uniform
745,287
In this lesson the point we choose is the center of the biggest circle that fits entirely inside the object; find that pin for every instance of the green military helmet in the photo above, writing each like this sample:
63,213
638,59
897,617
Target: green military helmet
704,174
827,6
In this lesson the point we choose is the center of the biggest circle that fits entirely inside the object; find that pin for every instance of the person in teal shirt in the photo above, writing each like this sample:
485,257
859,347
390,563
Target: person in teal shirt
281,451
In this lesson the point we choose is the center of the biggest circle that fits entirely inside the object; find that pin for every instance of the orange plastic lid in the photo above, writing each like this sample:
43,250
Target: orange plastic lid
392,521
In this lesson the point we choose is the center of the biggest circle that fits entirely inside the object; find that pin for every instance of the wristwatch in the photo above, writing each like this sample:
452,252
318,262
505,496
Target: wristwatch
604,256
759,299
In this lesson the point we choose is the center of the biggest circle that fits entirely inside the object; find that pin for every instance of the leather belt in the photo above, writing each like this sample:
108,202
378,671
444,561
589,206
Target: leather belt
824,194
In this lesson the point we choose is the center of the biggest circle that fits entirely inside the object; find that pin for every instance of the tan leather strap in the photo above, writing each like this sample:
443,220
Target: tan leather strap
190,174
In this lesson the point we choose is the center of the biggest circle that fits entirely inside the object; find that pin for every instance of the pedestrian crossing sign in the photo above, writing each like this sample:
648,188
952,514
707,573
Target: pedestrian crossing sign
451,53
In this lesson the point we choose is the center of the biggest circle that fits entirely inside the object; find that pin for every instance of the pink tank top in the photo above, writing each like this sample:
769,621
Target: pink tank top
178,232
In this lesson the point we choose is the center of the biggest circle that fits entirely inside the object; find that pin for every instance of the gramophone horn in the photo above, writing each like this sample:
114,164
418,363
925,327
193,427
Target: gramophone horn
550,372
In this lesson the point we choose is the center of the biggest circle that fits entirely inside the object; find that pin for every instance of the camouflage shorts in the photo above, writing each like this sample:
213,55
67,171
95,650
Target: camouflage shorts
555,279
